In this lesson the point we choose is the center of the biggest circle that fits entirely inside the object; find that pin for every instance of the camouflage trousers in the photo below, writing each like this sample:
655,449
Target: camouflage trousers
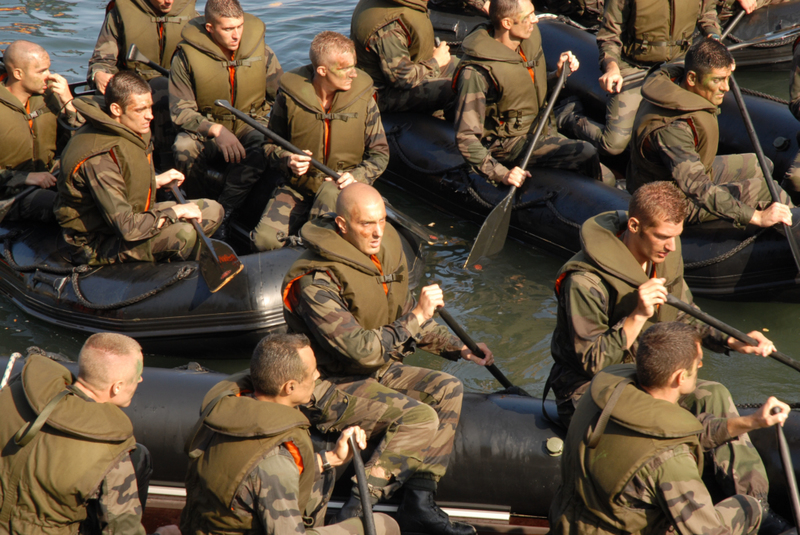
430,95
736,466
287,211
164,130
175,241
196,155
416,410
621,108
791,183
741,175
36,206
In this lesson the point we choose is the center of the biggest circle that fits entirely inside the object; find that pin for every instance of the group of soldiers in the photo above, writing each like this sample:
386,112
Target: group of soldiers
351,316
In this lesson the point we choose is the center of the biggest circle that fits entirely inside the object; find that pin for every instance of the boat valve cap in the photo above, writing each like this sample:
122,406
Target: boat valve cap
555,446
781,143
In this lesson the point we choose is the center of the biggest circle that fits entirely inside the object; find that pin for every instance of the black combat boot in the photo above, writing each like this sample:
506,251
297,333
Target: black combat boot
224,229
419,515
353,507
771,522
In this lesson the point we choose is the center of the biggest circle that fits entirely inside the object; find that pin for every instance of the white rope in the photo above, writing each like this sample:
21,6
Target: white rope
10,366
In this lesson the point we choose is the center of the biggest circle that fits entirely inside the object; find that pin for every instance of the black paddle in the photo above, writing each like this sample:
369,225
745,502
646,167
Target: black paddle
135,55
363,488
788,469
727,329
8,204
492,236
218,263
470,343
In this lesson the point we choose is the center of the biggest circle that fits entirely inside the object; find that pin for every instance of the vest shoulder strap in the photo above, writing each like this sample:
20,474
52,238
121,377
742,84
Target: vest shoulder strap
600,427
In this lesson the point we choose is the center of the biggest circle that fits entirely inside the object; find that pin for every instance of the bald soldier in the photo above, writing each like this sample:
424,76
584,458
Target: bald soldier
349,294
32,100
77,462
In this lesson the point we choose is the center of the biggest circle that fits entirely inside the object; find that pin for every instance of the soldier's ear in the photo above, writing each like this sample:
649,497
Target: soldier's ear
506,23
322,70
634,225
288,387
342,224
116,110
691,78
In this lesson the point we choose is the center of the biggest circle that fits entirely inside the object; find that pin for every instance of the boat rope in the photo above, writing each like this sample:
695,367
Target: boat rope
9,367
754,93
768,44
9,258
724,256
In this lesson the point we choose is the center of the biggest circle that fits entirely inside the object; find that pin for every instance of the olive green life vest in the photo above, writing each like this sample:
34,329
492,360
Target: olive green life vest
639,428
372,15
360,284
210,70
28,138
664,102
335,137
520,96
48,480
659,30
75,207
236,434
139,23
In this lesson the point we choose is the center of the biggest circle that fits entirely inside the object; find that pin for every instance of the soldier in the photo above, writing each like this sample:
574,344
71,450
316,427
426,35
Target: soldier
326,108
349,294
271,482
614,289
154,26
676,137
502,84
640,471
726,8
792,182
395,46
222,56
77,461
634,36
32,99
106,194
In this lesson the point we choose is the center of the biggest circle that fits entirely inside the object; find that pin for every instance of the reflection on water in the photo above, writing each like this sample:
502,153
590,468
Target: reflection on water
508,304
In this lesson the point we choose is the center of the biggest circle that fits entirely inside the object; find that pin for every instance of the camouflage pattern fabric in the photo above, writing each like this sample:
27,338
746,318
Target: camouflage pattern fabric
726,8
493,157
269,495
414,410
114,507
792,181
36,206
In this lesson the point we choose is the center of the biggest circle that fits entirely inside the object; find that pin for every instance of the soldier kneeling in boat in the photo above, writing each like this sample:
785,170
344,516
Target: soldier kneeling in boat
106,192
676,135
349,294
69,457
634,453
253,468
502,86
614,289
32,100
326,108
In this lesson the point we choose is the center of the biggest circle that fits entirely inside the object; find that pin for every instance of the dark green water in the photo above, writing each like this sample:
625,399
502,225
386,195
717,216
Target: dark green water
509,304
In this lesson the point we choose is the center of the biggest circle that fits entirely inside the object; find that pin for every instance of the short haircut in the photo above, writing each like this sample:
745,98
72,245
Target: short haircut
707,55
327,44
124,84
21,53
105,358
656,202
501,9
219,9
276,361
664,349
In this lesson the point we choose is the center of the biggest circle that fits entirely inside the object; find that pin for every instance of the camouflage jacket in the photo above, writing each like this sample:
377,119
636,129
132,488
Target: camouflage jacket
182,100
614,29
725,8
390,43
794,87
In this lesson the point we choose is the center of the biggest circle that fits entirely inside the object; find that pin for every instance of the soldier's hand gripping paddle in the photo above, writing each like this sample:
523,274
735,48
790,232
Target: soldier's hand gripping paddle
363,487
492,236
135,55
218,263
788,469
8,204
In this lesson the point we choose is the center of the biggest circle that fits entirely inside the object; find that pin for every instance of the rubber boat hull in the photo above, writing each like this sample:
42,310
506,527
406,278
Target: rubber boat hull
499,462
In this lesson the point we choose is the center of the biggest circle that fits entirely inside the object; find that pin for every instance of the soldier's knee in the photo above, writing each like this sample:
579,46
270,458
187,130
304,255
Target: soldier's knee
265,238
185,239
421,416
614,143
213,213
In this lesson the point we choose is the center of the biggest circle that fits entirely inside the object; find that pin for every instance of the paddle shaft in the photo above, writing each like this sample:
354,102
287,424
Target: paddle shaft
727,329
470,343
135,55
788,469
200,234
762,161
363,488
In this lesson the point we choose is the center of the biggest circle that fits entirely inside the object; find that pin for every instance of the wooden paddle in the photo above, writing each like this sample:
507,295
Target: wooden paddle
8,204
727,329
135,55
492,235
363,488
218,263
788,469
470,343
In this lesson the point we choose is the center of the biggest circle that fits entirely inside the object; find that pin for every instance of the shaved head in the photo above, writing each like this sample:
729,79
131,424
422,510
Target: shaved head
20,54
108,358
361,217
354,195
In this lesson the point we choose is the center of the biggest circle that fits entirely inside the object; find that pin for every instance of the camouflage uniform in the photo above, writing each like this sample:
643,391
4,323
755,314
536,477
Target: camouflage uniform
650,479
792,181
417,409
726,8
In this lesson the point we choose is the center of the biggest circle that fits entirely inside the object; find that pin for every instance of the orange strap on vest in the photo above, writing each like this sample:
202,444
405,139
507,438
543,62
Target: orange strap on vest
295,451
380,269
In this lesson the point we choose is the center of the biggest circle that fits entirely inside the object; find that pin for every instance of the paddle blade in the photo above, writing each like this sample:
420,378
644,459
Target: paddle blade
220,266
492,236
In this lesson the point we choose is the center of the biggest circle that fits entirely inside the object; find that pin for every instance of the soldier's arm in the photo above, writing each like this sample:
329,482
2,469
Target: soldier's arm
435,338
709,18
109,191
794,87
712,339
472,90
674,145
279,123
106,50
11,181
119,509
274,73
376,152
609,36
391,45
182,100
